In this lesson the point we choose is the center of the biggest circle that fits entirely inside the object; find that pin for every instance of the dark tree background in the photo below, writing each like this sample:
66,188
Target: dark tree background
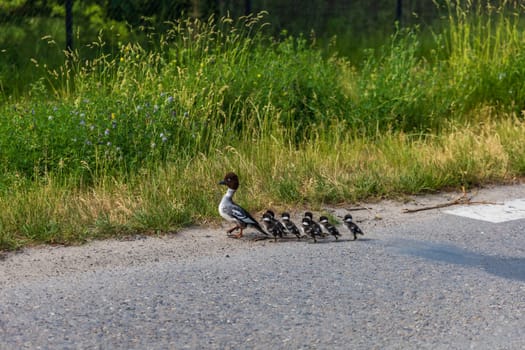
36,29
294,15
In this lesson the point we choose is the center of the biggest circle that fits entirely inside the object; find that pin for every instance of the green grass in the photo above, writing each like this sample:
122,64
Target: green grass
136,140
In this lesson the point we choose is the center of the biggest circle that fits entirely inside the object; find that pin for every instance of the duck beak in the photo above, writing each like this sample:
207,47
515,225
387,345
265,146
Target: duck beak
222,182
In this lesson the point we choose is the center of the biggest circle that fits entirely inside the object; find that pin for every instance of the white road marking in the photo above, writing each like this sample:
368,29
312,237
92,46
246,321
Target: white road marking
496,213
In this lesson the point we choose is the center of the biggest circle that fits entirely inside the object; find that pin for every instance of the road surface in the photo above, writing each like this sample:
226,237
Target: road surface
427,280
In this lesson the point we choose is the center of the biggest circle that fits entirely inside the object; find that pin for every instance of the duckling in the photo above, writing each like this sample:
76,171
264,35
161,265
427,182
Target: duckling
352,226
277,222
311,228
290,226
329,227
272,226
318,229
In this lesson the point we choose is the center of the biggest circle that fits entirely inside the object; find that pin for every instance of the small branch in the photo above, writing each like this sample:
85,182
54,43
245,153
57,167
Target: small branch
463,200
357,208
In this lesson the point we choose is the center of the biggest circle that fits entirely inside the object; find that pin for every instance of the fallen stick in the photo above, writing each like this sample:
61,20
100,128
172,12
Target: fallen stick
463,199
358,208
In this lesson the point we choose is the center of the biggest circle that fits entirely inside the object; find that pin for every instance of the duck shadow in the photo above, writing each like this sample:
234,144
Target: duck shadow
342,240
508,267
292,239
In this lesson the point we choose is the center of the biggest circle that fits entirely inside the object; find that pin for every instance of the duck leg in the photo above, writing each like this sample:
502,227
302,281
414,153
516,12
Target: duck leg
232,229
239,235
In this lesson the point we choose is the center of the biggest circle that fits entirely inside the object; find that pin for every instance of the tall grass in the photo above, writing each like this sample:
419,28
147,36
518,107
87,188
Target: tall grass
274,173
485,47
205,84
136,140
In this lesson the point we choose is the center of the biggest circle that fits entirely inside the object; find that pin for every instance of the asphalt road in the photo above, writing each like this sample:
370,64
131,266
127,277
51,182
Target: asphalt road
436,282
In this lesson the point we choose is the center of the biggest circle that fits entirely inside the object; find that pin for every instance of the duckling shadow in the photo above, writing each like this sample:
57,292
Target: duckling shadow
502,266
351,240
258,237
309,240
361,240
255,236
340,240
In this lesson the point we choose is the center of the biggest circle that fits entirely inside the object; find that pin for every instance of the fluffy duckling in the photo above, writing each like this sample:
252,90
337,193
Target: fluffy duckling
329,227
352,226
290,226
272,225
